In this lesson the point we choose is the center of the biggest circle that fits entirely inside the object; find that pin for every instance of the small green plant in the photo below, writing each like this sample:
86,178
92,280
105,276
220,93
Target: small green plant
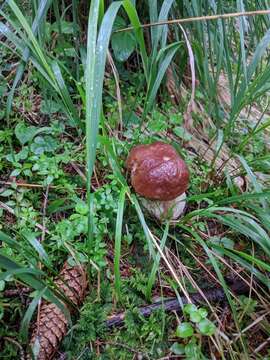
191,333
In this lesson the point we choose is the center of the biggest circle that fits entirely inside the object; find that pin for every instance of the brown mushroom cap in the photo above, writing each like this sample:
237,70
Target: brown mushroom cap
157,171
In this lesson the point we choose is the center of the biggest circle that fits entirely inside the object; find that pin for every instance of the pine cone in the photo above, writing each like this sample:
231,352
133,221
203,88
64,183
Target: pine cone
52,325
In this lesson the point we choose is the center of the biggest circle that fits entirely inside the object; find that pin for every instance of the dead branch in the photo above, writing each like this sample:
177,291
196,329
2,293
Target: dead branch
238,287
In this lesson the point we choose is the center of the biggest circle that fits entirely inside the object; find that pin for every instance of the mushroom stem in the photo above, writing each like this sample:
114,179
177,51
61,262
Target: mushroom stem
162,210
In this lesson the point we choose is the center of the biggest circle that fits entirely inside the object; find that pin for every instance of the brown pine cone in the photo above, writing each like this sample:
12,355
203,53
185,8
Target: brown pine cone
52,325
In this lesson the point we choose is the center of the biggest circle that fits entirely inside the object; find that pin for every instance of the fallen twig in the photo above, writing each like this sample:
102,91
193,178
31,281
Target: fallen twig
13,341
238,287
16,292
198,18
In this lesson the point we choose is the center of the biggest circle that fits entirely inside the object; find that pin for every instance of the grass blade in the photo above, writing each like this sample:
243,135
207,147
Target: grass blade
163,16
255,183
135,22
151,95
216,267
94,76
117,246
144,225
153,14
24,327
32,281
155,266
41,13
91,138
65,94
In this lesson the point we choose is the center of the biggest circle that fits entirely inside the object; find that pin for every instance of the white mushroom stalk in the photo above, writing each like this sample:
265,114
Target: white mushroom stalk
171,209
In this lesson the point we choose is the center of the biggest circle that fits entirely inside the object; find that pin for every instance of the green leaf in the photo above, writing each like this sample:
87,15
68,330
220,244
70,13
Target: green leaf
49,107
189,308
206,327
184,330
14,172
81,208
24,133
67,27
7,192
223,241
123,45
195,316
192,351
1,311
119,23
177,349
29,236
203,312
182,133
2,285
135,22
43,144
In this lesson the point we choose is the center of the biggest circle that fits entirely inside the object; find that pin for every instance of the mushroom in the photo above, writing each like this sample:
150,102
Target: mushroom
161,177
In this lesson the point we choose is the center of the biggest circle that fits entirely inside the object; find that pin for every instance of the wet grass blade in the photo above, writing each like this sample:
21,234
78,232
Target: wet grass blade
10,35
245,197
253,259
153,14
30,49
248,227
94,76
216,267
91,137
152,92
162,30
117,245
135,22
33,258
257,186
43,256
247,91
65,94
41,13
25,323
31,280
247,261
240,8
32,39
144,225
152,277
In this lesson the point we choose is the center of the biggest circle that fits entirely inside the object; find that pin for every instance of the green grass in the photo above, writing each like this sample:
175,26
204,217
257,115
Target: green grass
68,122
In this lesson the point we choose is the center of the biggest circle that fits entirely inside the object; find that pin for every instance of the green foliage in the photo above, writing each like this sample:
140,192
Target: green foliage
184,330
146,335
124,43
197,326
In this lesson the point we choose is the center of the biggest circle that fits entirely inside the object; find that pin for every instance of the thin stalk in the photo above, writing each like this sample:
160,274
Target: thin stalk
199,18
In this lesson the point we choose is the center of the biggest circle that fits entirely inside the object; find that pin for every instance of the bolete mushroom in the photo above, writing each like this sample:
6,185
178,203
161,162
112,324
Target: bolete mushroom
161,177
